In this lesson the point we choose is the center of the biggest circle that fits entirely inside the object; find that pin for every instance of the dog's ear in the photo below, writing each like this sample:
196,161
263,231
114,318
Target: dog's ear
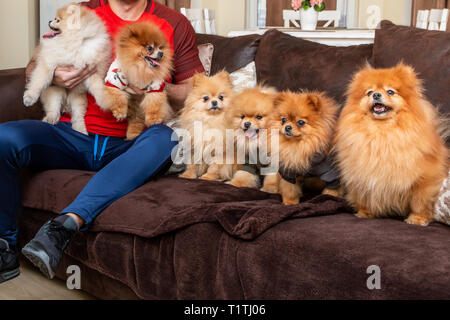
279,99
225,76
313,100
196,79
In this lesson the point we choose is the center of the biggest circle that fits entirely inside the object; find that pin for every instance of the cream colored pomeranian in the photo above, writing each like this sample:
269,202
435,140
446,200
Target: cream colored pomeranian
205,107
77,38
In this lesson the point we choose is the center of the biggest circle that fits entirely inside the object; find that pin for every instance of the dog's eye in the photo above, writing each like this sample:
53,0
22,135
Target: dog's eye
243,116
149,48
301,123
259,117
283,121
390,92
205,98
221,97
370,92
58,21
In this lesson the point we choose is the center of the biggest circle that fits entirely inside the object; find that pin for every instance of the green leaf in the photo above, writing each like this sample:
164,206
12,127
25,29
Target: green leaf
321,8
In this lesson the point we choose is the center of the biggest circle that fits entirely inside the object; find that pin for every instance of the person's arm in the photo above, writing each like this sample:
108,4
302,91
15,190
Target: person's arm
186,63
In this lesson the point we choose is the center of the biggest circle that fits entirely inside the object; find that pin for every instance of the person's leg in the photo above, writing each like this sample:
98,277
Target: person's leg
28,144
127,167
147,155
31,144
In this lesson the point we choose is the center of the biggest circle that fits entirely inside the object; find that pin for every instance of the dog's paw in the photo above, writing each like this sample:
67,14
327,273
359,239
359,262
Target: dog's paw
188,175
29,98
152,119
209,177
417,220
120,112
80,127
362,214
51,118
270,189
291,202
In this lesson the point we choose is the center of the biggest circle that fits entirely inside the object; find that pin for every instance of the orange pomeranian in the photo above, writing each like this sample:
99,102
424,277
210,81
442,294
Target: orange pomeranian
144,61
249,114
391,157
204,118
305,122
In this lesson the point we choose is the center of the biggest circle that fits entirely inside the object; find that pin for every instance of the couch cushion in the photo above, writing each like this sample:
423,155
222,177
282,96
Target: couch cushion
427,51
286,62
12,86
231,54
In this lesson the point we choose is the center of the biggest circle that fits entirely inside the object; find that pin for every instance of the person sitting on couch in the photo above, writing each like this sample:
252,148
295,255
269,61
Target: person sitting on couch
122,165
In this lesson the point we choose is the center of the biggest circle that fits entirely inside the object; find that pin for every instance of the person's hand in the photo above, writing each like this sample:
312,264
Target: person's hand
69,77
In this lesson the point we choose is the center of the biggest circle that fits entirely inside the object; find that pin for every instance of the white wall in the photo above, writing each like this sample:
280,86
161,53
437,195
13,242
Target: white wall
230,14
19,32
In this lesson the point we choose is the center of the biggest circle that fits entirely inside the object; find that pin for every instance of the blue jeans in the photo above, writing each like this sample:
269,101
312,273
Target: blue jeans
122,165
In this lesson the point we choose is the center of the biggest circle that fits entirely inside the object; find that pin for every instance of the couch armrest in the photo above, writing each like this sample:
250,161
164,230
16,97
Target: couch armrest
12,84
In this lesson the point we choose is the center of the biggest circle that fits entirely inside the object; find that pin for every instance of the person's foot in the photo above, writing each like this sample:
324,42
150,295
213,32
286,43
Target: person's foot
47,247
9,263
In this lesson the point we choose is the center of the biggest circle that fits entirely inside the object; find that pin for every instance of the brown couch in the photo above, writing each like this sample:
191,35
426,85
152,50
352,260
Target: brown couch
181,239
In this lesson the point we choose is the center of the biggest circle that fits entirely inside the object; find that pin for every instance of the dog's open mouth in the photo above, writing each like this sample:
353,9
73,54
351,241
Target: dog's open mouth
252,133
53,33
379,109
152,62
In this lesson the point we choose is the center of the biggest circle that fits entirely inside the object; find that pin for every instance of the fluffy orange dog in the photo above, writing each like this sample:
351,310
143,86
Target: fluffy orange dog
144,61
390,154
305,122
205,107
249,113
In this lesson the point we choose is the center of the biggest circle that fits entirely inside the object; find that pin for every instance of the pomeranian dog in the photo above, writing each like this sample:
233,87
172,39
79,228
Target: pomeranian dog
391,157
305,123
248,114
206,106
144,61
79,38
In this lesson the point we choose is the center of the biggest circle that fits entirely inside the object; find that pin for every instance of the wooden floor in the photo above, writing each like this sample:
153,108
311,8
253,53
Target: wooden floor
32,285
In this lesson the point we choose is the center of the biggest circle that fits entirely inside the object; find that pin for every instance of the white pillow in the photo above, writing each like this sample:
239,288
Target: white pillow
443,203
245,77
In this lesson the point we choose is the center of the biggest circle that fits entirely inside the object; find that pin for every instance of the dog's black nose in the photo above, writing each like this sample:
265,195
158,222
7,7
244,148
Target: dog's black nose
288,128
214,103
160,55
247,125
377,96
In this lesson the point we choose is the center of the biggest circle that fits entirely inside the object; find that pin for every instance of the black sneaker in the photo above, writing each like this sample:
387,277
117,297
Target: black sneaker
9,263
47,247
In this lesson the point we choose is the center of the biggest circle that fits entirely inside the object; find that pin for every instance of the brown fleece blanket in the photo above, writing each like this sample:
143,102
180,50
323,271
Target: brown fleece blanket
170,203
315,250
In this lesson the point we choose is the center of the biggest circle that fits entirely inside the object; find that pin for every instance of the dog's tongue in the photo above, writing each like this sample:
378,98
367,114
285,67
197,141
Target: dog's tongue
155,62
251,133
51,34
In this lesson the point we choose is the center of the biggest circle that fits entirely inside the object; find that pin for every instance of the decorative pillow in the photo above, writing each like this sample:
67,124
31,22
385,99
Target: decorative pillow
244,77
205,53
427,51
231,54
443,203
286,62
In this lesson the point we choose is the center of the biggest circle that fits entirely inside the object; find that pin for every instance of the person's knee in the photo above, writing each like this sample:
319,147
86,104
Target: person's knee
10,137
161,134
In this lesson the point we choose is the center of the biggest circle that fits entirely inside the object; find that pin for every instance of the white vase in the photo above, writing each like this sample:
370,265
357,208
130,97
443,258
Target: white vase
308,19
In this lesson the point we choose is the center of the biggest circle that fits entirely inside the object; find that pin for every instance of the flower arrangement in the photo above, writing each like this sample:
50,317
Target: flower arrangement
318,5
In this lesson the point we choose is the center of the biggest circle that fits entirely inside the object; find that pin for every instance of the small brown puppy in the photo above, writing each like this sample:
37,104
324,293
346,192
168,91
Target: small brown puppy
144,61
305,122
391,157
249,114
204,118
